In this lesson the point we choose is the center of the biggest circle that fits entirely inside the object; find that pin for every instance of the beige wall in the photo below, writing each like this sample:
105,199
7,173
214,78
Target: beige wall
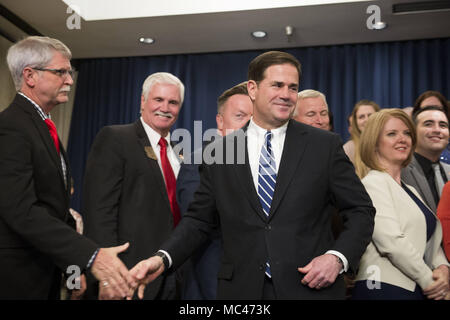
61,115
7,90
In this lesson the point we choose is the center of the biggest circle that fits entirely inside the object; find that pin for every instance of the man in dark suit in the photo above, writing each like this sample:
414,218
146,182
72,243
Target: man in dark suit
126,193
272,207
234,109
37,237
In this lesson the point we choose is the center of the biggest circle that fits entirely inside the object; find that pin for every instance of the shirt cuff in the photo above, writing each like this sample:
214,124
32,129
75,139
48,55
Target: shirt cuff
340,256
168,257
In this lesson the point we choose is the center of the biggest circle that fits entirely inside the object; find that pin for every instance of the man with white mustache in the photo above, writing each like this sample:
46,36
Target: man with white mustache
38,241
425,172
129,192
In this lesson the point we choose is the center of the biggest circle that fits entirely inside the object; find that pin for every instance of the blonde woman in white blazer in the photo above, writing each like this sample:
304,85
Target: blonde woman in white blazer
404,259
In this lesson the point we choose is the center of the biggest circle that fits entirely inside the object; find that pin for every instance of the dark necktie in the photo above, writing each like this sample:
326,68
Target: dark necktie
171,183
53,133
267,178
438,180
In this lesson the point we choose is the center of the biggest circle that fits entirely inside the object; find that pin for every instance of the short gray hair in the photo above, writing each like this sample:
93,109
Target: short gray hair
35,52
162,78
309,93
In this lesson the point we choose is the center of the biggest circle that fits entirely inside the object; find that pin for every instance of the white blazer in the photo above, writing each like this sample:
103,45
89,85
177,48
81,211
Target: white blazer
399,247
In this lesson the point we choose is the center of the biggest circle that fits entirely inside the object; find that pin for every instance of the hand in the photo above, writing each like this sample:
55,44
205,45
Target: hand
77,294
112,274
321,272
439,289
146,271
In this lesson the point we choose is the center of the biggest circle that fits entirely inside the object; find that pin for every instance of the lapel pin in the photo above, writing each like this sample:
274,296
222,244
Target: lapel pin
150,153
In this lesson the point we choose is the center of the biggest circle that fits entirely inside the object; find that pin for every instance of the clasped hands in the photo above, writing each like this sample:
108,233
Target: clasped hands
321,272
116,282
439,289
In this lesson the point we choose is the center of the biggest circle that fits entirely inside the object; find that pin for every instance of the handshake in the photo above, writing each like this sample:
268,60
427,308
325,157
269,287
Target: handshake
116,282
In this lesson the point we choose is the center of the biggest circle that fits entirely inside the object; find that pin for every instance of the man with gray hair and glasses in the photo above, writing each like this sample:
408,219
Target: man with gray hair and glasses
37,237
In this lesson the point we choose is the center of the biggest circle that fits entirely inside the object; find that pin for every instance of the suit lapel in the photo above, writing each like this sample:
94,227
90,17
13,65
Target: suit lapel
293,150
68,173
152,160
419,176
42,128
244,175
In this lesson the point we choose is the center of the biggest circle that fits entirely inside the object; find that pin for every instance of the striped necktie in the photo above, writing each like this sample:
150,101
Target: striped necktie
267,177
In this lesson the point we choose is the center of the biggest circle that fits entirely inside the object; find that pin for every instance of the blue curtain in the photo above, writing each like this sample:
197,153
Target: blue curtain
392,74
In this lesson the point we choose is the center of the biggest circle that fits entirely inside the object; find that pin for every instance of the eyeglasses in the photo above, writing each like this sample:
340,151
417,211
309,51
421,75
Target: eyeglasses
59,72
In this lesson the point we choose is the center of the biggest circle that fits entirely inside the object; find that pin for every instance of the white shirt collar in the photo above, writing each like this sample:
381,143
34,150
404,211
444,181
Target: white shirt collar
154,136
261,131
36,106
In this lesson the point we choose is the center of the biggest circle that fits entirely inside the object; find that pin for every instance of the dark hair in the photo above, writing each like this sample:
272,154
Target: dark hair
427,108
431,93
258,66
240,88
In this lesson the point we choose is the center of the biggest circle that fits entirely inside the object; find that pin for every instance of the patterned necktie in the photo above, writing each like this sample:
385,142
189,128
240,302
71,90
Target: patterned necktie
438,180
53,133
171,183
267,177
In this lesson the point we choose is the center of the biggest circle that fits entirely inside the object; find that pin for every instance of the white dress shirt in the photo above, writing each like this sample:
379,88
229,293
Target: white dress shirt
255,141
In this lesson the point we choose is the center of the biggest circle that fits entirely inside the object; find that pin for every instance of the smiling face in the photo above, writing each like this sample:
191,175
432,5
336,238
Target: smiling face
161,108
432,133
275,96
394,144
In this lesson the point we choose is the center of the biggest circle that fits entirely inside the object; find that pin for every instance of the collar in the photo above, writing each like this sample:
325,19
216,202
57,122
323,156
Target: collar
39,110
154,136
252,126
424,163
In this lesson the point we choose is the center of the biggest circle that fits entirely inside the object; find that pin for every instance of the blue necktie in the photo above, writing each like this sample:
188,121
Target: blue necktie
267,177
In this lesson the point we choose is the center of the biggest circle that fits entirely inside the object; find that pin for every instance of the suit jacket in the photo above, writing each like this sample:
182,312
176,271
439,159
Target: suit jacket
399,246
313,172
414,176
200,272
36,241
124,196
